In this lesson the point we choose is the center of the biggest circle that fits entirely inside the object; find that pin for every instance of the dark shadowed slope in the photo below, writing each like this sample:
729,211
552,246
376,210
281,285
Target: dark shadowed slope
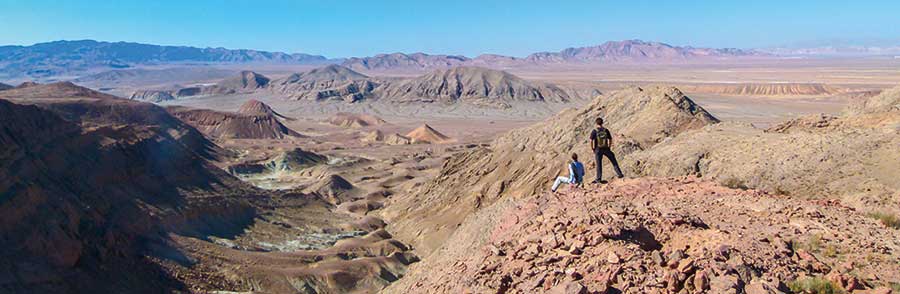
82,205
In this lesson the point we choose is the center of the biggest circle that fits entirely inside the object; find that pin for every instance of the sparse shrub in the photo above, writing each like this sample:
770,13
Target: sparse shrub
814,244
780,191
888,219
831,251
895,287
734,183
814,285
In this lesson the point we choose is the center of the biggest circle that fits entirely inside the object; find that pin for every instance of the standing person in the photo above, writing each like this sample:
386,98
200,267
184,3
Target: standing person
601,143
576,174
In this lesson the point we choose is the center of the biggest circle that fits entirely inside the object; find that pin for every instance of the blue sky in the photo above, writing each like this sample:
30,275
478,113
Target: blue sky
361,28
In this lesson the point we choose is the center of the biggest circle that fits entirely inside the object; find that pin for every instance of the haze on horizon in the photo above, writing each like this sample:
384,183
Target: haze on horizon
360,28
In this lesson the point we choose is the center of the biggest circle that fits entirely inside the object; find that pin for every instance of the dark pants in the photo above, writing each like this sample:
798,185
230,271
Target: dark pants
598,156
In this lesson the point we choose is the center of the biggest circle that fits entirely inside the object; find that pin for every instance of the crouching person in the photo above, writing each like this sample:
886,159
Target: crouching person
576,174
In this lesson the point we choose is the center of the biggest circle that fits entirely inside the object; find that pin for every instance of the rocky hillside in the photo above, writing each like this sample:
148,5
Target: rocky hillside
525,161
332,82
52,91
805,190
471,85
229,125
68,57
119,196
654,235
887,101
86,196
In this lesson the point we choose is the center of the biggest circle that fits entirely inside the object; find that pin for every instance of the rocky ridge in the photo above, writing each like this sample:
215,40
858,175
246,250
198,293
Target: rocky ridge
656,235
154,96
57,90
472,85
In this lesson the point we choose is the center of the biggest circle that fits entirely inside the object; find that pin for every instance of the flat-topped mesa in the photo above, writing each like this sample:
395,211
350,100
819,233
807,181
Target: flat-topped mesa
765,89
426,134
524,161
472,85
332,82
244,82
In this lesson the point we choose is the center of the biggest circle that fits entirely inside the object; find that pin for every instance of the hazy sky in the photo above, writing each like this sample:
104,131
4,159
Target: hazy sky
359,28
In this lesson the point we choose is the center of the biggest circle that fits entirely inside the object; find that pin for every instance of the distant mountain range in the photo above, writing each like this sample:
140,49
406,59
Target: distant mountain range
637,50
628,51
72,59
836,51
60,58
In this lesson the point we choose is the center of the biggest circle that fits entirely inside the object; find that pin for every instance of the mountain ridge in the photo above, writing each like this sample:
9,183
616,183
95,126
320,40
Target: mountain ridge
609,52
63,57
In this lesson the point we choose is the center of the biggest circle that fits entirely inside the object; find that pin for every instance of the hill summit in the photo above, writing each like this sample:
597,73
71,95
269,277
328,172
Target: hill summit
426,134
256,107
332,82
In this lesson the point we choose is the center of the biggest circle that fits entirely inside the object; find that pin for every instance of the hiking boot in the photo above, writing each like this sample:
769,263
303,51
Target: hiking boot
603,182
